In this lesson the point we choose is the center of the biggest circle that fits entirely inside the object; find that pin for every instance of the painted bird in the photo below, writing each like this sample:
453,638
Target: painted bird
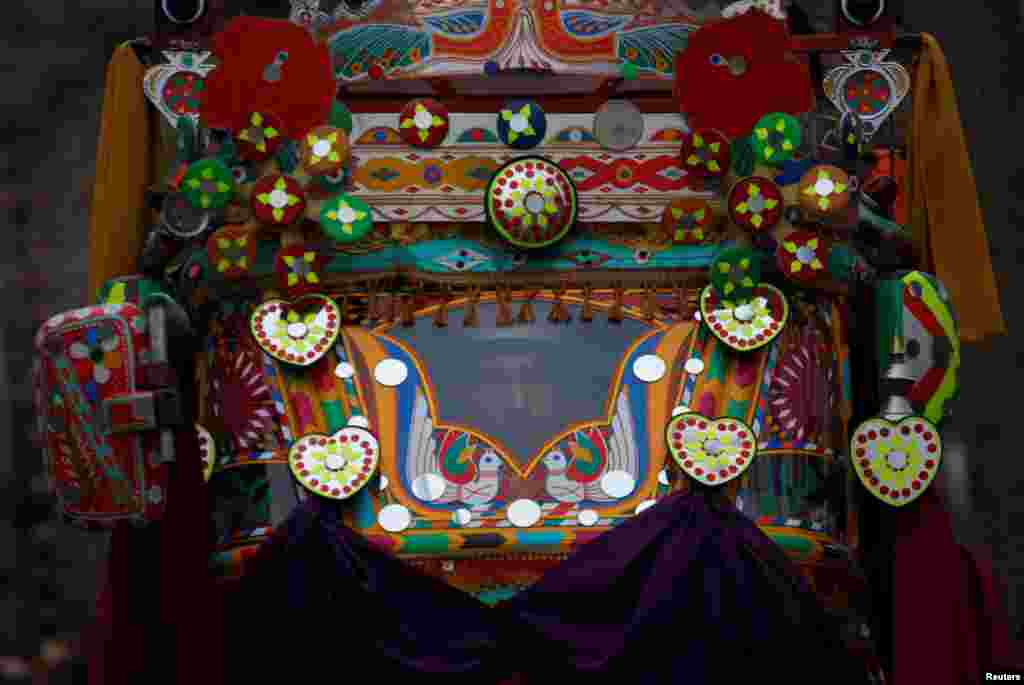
557,483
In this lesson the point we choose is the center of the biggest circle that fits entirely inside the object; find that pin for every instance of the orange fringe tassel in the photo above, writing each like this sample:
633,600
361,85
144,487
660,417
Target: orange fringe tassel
372,304
559,312
588,306
471,317
526,311
615,314
408,313
651,304
441,313
504,317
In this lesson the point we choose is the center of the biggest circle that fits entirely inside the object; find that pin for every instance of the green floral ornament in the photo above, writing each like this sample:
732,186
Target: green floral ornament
208,184
345,218
735,273
776,137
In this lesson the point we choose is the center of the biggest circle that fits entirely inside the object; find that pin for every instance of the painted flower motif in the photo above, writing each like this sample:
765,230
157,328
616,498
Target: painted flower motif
339,462
297,331
100,350
802,255
432,174
686,221
534,201
746,319
518,123
208,184
736,276
323,148
345,218
898,457
755,203
278,199
261,137
776,137
825,188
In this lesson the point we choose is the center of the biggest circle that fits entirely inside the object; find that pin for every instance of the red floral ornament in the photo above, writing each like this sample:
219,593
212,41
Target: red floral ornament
231,251
706,153
278,200
755,203
268,65
299,269
802,256
735,71
261,137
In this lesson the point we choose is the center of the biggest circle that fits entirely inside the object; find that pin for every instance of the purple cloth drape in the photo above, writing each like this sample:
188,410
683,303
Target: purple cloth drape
690,591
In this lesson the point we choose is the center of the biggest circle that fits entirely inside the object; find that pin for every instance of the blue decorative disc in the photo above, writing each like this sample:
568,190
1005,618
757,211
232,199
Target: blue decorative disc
522,124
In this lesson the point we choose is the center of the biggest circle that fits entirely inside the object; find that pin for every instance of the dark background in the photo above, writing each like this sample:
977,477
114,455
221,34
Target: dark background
52,70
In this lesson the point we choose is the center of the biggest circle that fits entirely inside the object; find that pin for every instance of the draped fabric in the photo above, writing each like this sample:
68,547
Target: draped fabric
689,589
945,216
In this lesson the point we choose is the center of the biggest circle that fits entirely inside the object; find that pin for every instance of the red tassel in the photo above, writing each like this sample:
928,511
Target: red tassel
588,306
504,317
615,314
471,318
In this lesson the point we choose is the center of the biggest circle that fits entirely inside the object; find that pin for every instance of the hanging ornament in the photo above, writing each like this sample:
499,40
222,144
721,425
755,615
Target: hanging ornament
755,203
208,184
299,269
802,256
867,86
175,88
706,153
423,123
688,221
325,150
735,272
824,191
345,218
335,466
711,451
896,461
531,202
522,124
260,138
618,125
298,332
278,200
231,251
776,137
745,324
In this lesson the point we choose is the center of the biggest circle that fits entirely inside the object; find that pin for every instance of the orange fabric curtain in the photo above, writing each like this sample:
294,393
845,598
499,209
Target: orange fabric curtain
944,213
126,165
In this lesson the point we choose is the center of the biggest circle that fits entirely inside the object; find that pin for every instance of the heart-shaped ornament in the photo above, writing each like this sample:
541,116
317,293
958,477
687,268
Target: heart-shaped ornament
896,462
335,466
711,451
298,332
745,324
175,88
207,451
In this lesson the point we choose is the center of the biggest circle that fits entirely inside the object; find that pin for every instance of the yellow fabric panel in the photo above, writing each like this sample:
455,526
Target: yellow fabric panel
125,167
945,217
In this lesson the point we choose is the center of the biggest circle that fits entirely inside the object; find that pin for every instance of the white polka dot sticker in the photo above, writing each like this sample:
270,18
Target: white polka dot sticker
618,484
663,477
391,372
694,366
681,409
523,513
428,487
359,421
588,517
383,483
649,368
644,506
394,518
462,516
344,370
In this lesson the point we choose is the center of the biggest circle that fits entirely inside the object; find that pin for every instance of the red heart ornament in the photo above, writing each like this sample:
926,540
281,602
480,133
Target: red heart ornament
298,332
711,451
896,462
335,466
